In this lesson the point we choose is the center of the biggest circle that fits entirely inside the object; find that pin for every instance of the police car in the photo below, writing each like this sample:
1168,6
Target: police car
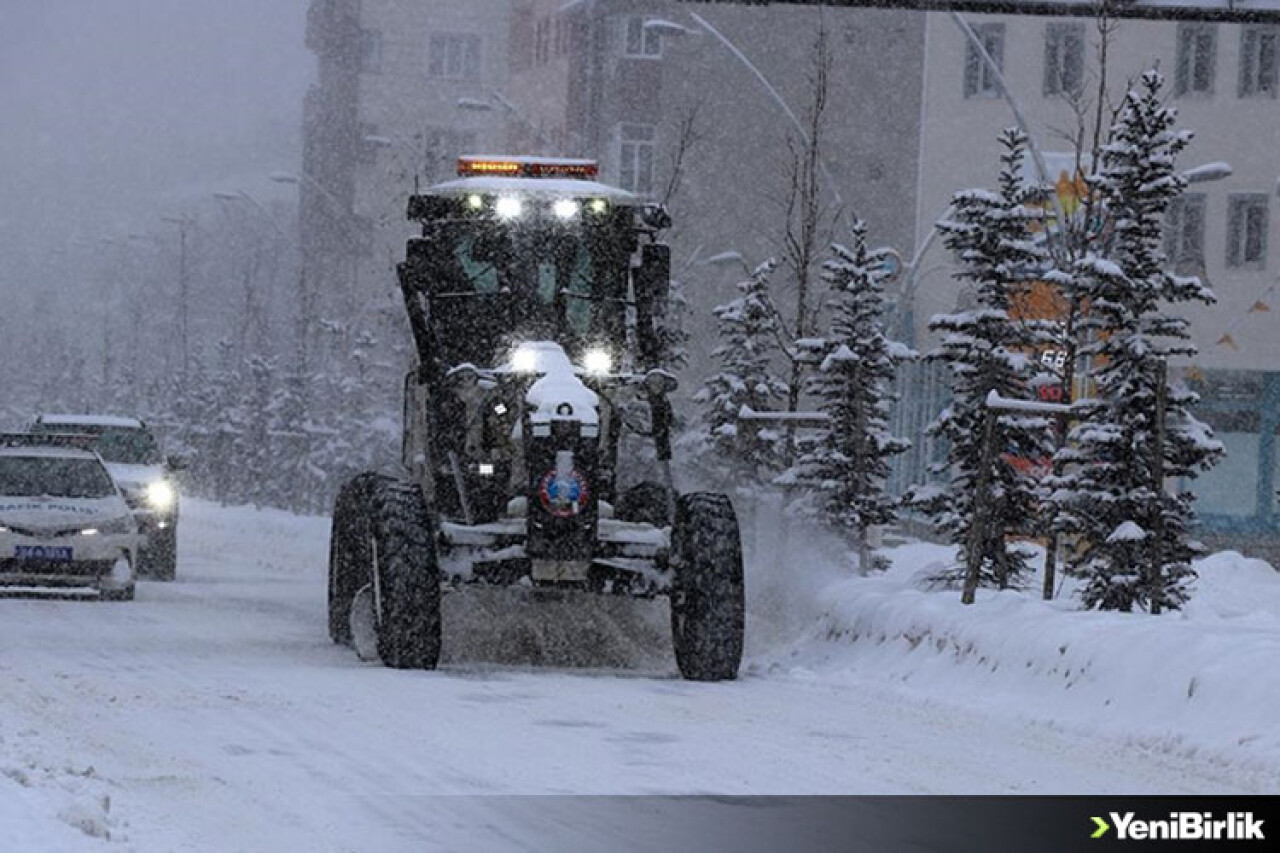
63,521
145,476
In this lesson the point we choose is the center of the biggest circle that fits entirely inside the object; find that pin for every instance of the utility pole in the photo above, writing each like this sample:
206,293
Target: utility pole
184,328
1156,579
978,524
977,529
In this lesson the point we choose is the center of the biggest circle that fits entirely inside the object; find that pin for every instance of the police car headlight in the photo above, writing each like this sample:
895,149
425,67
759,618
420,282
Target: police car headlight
597,361
115,527
161,495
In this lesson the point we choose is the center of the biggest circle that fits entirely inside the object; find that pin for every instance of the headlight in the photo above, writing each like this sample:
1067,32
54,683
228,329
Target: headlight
160,495
116,526
524,360
566,208
508,207
598,362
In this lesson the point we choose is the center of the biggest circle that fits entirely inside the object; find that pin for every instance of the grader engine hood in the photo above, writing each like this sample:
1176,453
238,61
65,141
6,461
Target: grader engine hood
558,395
561,450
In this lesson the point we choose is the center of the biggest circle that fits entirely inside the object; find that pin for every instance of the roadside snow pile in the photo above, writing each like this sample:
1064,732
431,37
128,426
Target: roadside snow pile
1205,677
55,811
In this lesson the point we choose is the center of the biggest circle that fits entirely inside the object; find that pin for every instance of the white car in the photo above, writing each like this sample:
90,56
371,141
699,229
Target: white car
63,521
145,476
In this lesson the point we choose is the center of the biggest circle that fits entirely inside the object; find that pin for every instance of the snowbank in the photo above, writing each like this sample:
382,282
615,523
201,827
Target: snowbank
1202,678
54,811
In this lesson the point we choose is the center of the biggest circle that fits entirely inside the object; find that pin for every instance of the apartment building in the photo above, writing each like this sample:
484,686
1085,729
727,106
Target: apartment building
403,88
1222,78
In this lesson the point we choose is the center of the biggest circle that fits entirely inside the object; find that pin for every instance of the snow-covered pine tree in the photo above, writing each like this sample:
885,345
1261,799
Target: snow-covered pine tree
987,350
1107,497
748,328
847,469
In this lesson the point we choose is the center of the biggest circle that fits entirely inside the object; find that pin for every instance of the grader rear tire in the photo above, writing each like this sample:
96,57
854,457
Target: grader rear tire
350,560
406,576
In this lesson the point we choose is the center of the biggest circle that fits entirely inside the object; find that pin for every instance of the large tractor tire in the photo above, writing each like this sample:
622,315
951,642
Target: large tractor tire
406,576
350,552
708,597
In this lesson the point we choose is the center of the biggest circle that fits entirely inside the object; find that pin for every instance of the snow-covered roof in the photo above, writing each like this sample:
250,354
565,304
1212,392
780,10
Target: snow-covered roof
90,420
48,452
548,187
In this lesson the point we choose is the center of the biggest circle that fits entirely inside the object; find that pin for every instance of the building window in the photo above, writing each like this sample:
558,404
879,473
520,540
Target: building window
1197,56
1063,58
979,79
542,42
1247,221
639,40
1258,48
636,147
1184,232
1240,408
562,35
371,51
454,56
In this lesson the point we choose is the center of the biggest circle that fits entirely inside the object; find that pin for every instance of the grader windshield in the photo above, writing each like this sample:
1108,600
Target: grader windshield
506,260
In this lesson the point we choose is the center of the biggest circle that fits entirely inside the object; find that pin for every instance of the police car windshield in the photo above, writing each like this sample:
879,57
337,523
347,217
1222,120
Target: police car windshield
119,445
128,447
54,476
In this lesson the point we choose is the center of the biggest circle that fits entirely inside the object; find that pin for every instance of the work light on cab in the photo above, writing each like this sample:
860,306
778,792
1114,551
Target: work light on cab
597,361
566,208
508,207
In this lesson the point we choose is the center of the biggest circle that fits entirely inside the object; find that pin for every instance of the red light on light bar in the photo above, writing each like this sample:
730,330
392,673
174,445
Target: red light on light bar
581,169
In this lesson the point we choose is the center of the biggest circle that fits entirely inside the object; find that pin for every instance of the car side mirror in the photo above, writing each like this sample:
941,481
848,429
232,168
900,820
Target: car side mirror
177,462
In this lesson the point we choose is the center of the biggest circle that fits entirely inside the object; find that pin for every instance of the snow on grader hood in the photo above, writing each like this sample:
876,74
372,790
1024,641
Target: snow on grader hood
536,297
559,395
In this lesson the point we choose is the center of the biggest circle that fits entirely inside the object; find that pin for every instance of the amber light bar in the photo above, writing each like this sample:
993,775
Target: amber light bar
470,167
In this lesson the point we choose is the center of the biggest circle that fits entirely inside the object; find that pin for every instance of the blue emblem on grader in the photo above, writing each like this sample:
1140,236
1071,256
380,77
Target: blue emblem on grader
563,495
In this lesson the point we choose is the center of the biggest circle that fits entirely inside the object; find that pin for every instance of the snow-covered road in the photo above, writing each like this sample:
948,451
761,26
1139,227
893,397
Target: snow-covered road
213,714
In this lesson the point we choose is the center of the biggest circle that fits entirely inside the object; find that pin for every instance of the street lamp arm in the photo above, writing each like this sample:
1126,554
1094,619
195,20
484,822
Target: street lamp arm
511,108
773,93
300,175
344,216
1037,156
241,195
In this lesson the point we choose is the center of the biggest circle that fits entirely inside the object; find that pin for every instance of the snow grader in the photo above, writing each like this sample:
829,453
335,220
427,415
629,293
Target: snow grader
535,297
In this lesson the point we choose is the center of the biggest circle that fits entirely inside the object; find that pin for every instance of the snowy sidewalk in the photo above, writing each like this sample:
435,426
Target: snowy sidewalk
1203,678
